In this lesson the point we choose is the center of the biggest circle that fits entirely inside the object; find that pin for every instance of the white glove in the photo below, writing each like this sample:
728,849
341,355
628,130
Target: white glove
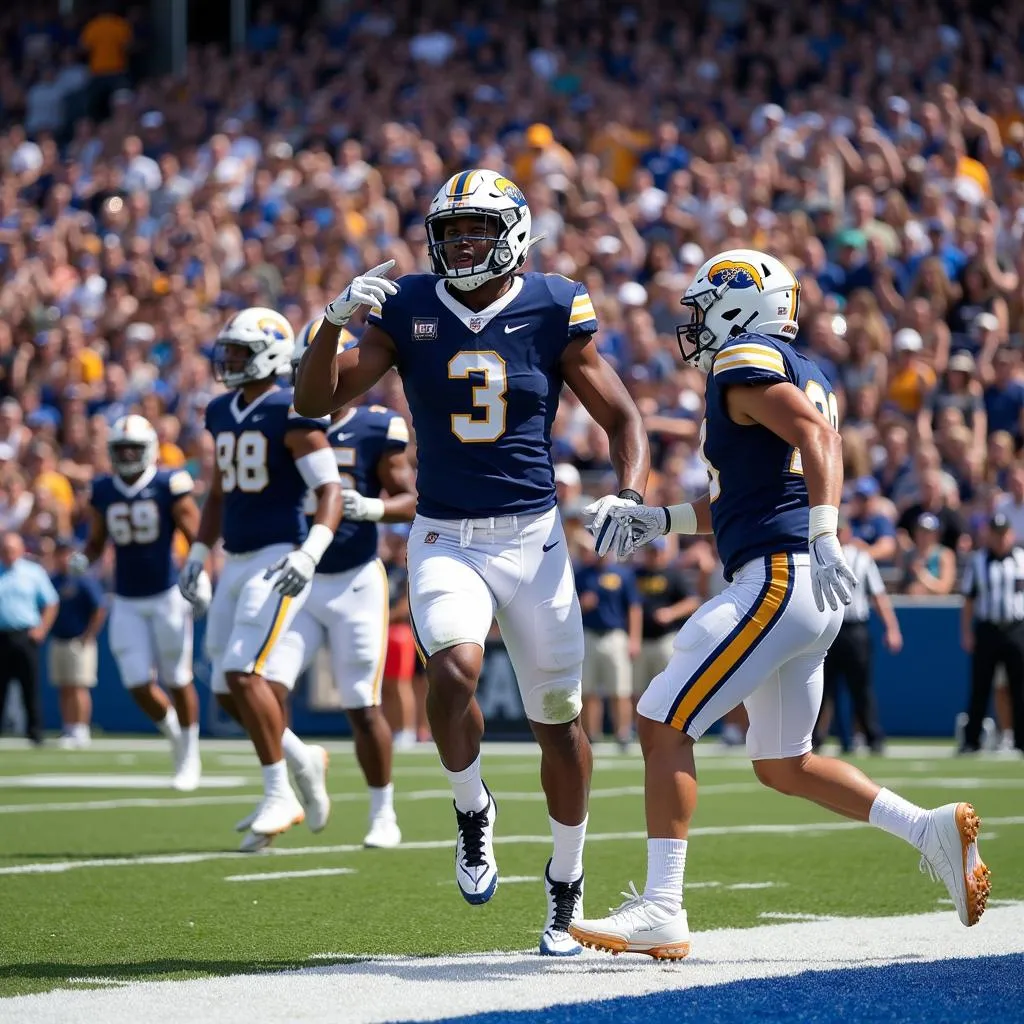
831,577
195,586
638,525
360,509
78,564
597,519
369,289
296,569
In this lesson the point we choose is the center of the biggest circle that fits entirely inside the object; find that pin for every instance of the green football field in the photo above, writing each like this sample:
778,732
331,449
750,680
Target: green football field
105,873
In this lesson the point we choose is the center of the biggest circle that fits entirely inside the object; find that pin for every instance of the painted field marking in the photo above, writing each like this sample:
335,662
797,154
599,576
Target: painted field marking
804,830
273,876
503,880
781,915
126,780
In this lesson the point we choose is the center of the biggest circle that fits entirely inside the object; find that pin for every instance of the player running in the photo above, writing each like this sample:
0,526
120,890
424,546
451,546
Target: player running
139,507
267,457
347,605
773,454
483,351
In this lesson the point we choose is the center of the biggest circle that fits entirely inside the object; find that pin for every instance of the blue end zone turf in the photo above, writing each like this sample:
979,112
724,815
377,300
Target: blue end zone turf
984,990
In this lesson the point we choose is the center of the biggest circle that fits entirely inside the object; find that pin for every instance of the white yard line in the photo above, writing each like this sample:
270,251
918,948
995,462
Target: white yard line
805,830
368,989
273,876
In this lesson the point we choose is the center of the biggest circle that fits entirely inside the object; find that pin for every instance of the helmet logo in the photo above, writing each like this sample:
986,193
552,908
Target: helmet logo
274,328
510,189
736,275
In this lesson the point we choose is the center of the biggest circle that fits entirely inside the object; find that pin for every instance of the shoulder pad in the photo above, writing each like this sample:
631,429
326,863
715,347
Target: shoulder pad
749,360
179,483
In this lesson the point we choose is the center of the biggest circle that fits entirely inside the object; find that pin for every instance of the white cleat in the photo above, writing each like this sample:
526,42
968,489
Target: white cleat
186,778
312,787
637,926
277,814
565,905
384,832
950,853
253,842
475,869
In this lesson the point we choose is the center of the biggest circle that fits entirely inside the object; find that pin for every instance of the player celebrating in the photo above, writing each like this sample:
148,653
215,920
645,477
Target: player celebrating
483,351
348,599
773,455
139,507
267,456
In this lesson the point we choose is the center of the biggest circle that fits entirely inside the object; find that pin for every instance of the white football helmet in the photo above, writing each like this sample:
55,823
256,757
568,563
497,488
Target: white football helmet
346,339
479,193
269,339
738,290
132,445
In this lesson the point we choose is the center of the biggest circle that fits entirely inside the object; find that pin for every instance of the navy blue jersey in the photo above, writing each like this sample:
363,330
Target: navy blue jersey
616,592
483,389
360,439
264,493
759,500
140,522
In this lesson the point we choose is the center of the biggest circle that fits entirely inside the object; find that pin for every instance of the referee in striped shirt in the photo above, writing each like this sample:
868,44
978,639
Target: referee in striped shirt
992,626
849,657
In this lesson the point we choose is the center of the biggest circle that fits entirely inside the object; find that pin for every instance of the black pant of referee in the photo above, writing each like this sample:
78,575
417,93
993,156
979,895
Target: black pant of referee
849,658
995,644
19,659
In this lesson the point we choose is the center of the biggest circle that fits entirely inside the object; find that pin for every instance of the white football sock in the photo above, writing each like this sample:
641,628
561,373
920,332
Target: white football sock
468,787
382,800
666,862
170,727
80,731
567,858
275,778
295,751
191,735
899,817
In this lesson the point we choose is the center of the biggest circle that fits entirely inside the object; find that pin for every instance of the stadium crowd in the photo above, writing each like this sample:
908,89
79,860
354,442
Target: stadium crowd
878,150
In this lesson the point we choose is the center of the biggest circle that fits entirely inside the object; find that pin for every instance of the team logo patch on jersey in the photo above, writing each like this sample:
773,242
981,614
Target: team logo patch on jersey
431,538
510,189
736,275
424,328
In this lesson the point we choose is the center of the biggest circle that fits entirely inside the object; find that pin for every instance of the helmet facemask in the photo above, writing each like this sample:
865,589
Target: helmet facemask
445,253
698,343
129,459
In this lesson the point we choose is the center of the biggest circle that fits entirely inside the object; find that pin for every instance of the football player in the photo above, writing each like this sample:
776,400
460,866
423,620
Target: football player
267,457
139,507
483,351
774,460
348,600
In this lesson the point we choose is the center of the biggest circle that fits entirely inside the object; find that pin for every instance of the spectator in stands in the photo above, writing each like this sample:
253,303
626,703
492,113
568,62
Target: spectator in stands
929,568
871,528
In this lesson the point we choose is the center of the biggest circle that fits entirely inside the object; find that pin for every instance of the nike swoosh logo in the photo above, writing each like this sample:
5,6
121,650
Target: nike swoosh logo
509,329
342,437
548,547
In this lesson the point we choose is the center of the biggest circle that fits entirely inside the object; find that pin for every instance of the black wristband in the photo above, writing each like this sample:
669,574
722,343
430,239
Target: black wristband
628,492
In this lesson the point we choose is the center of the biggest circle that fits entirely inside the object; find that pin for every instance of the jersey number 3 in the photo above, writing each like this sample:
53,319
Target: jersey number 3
826,404
242,461
488,396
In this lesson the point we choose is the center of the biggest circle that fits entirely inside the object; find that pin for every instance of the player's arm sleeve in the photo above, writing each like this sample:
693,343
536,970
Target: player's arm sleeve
396,434
296,421
750,363
582,316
